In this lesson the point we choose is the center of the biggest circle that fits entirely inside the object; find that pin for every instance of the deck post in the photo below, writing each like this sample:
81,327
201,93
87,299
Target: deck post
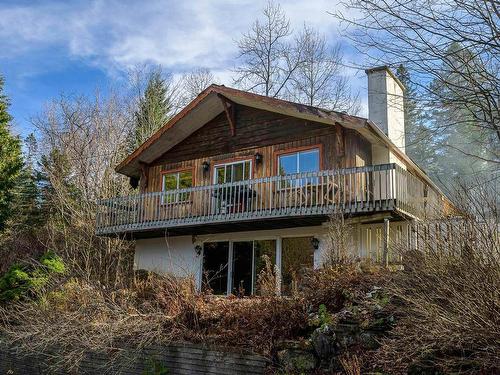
385,255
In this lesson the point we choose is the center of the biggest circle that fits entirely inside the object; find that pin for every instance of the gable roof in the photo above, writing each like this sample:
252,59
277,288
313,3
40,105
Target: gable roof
208,104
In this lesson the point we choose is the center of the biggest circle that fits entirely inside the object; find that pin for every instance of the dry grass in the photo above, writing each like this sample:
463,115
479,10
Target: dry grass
79,317
350,364
448,298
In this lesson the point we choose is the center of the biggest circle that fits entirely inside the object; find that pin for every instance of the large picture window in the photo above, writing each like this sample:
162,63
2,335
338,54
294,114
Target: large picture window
298,162
174,181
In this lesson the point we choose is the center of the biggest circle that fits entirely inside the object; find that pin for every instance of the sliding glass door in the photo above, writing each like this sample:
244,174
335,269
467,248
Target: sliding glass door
236,265
215,266
242,268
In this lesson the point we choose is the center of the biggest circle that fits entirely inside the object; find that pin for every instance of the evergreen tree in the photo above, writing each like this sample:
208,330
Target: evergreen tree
11,162
420,146
153,109
454,126
27,194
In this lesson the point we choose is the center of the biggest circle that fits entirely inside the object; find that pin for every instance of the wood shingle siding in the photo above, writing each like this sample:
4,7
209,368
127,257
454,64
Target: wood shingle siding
261,132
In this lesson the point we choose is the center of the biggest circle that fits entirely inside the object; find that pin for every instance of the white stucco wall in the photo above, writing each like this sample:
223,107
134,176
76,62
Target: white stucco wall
173,255
177,255
385,105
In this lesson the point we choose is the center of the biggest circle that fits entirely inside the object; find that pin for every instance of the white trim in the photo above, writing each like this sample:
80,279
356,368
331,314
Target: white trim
230,269
279,254
253,270
271,234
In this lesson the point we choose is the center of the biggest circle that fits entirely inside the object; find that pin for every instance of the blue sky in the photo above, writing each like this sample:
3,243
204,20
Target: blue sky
73,47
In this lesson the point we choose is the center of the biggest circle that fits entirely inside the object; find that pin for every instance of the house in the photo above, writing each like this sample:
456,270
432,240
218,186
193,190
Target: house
235,176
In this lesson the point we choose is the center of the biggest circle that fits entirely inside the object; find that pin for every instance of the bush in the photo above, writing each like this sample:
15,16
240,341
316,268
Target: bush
448,303
22,281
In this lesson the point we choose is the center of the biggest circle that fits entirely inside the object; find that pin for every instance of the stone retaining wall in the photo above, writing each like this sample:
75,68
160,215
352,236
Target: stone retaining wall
176,358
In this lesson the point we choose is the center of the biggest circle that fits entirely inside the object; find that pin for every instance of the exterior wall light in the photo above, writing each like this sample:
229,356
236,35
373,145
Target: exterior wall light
206,166
134,182
258,158
198,249
315,243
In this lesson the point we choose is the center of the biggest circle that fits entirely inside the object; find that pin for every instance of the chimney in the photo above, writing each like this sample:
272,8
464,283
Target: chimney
385,105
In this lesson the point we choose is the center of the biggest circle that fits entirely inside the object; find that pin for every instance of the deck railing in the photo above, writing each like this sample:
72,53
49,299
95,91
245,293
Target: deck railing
351,190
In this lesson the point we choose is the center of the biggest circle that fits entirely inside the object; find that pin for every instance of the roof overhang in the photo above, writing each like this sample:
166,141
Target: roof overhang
200,111
206,106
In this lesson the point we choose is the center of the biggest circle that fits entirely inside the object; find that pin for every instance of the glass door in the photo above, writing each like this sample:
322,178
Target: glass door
233,172
249,261
229,198
215,266
242,268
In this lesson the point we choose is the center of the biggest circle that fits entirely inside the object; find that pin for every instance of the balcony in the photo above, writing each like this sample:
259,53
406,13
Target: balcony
359,190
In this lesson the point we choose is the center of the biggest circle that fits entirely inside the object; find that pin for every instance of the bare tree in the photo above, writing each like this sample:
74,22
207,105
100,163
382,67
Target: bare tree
195,82
268,59
453,43
83,139
319,80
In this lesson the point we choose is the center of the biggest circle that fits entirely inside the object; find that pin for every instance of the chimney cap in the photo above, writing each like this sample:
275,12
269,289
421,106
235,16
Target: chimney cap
389,71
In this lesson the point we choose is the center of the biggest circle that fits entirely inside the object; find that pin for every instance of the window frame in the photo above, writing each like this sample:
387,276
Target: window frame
297,150
226,163
176,172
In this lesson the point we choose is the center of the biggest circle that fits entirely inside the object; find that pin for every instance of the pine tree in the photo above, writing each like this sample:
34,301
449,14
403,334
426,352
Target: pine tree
454,125
420,145
153,109
11,162
27,194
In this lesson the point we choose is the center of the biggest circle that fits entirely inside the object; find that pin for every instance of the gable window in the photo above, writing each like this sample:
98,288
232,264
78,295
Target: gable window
176,180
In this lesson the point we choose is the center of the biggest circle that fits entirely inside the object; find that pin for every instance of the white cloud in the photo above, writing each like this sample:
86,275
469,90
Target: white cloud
116,35
124,33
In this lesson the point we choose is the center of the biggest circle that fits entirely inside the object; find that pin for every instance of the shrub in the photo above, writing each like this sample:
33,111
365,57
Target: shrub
448,303
14,283
21,281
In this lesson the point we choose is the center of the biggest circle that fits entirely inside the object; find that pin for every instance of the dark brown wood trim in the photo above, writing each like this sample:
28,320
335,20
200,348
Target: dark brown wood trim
293,150
229,108
143,182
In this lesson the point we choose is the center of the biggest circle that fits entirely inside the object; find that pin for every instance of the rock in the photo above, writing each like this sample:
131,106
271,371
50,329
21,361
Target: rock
296,360
369,340
324,342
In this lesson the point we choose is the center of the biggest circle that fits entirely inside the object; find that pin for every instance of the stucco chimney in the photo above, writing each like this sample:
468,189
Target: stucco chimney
385,104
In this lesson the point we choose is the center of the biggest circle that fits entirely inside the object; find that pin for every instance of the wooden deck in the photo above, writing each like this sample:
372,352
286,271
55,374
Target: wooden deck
375,188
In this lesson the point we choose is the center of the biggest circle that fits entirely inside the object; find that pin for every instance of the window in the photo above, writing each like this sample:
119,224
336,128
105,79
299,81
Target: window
298,162
297,256
215,266
229,199
237,266
233,172
174,181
